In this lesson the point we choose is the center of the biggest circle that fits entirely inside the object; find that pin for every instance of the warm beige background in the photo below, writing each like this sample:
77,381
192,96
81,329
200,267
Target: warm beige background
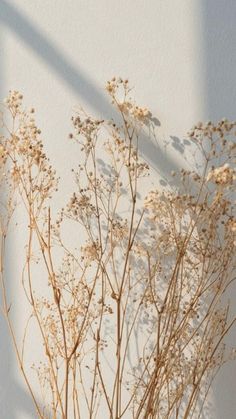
179,54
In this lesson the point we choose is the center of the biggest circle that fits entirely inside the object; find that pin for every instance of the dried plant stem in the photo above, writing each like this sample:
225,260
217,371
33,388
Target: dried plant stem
130,308
6,311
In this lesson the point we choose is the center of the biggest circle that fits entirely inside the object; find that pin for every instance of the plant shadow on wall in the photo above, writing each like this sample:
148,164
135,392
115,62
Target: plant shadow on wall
131,314
31,36
72,75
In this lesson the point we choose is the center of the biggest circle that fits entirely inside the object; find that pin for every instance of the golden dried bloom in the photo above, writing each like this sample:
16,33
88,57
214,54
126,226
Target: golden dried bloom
152,201
136,272
90,251
125,107
141,114
119,230
14,102
223,175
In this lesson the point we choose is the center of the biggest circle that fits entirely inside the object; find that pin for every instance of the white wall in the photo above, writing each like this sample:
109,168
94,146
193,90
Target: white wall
180,56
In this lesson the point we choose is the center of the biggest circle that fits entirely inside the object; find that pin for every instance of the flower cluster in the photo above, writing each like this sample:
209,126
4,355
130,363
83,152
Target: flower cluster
209,129
140,113
119,230
125,105
128,108
223,175
80,206
14,102
135,290
113,85
24,148
152,201
90,252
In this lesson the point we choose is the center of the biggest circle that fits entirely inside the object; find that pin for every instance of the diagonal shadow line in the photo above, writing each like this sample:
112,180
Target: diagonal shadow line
39,43
75,80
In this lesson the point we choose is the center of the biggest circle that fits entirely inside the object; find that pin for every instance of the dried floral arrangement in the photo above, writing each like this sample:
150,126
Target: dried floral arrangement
132,317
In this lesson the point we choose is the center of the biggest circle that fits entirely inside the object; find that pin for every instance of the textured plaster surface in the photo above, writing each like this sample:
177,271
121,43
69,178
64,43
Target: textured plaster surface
180,56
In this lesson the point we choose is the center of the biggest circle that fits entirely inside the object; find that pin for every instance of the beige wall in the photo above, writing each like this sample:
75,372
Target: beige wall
59,53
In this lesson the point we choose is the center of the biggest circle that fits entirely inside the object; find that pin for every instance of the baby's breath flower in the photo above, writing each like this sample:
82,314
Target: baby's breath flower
90,251
141,114
14,102
153,266
223,175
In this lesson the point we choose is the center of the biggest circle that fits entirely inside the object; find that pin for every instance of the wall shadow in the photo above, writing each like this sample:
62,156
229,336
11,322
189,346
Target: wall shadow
75,79
218,19
16,399
219,58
